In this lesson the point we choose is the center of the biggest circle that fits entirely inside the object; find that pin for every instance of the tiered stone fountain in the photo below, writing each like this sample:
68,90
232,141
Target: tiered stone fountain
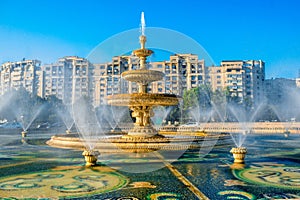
142,103
143,137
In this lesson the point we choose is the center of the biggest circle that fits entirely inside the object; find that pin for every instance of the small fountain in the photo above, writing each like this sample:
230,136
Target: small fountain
90,157
239,154
26,117
67,118
88,128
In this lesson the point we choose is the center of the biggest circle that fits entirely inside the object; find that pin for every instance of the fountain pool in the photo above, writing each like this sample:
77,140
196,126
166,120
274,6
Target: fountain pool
38,171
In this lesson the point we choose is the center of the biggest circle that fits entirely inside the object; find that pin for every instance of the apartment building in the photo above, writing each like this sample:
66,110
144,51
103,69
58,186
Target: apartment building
25,73
107,78
69,78
182,72
243,78
276,90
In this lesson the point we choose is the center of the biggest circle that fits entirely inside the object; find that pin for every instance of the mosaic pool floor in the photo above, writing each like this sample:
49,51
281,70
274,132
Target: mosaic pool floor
29,169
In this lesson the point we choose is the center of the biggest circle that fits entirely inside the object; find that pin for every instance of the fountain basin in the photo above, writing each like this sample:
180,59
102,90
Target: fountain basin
142,99
121,143
143,76
143,52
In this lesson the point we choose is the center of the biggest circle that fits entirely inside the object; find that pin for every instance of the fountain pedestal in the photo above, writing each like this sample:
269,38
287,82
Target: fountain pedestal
239,154
90,157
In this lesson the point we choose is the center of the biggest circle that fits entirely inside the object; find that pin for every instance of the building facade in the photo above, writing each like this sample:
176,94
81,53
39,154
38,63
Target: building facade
25,73
276,90
243,79
67,79
182,72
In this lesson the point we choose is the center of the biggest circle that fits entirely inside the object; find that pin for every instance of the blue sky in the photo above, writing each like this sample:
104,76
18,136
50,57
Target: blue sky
228,29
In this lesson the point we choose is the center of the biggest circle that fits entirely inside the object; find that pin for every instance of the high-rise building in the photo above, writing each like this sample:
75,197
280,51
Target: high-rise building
69,78
25,73
107,78
243,78
276,90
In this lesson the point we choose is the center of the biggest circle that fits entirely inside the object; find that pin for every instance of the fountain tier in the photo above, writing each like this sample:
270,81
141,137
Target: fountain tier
142,76
141,105
143,99
118,144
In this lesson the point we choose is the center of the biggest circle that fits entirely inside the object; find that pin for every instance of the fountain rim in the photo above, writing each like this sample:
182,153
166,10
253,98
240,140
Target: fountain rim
142,72
142,99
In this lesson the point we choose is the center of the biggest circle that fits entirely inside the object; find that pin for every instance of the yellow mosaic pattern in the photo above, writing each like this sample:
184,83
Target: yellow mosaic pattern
63,182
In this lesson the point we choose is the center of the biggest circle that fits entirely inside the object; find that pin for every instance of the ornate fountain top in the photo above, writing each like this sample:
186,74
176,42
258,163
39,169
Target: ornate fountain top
142,53
142,76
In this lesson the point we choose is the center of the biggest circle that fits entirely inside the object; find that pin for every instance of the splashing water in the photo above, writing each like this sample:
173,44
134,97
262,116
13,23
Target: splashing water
28,116
26,109
160,114
245,122
86,122
119,113
66,116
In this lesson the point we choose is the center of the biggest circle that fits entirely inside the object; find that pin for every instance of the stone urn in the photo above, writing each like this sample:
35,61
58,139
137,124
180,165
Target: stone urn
24,133
90,157
239,154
